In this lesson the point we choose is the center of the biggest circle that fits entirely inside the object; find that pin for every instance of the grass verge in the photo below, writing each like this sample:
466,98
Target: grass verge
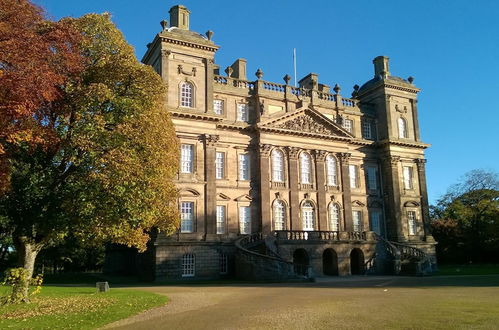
76,308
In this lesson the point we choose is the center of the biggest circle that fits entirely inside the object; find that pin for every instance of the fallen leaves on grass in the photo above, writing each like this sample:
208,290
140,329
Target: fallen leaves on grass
54,306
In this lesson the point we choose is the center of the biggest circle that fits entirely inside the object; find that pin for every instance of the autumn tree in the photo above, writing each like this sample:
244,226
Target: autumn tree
107,173
466,219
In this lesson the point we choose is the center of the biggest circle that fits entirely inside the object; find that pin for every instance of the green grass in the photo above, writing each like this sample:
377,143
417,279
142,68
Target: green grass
468,269
76,308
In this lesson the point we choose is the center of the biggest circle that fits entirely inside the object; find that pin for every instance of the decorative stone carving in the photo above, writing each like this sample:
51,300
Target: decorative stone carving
293,152
165,52
420,163
344,156
265,150
320,155
187,73
394,160
211,139
259,74
306,124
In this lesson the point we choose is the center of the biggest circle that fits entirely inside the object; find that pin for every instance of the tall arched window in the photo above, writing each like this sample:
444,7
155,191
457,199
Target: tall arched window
305,168
334,217
187,95
277,166
307,214
402,128
332,176
279,215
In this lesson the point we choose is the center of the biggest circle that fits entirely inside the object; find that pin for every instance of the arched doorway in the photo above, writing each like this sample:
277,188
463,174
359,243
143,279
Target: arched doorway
356,262
330,262
301,262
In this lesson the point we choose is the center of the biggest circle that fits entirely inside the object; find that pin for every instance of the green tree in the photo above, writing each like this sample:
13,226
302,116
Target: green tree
466,219
107,176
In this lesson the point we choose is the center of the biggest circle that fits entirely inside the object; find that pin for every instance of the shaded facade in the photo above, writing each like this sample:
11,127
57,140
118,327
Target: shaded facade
276,178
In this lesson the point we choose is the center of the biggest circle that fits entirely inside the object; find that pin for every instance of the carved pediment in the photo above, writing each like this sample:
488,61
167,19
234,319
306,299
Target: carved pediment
358,203
411,204
189,192
305,122
243,198
223,197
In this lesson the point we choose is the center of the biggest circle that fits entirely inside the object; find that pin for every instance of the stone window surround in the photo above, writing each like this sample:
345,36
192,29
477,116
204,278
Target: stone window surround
193,94
194,214
286,213
339,208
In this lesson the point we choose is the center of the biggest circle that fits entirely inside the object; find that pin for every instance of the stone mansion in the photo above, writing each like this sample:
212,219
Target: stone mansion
277,181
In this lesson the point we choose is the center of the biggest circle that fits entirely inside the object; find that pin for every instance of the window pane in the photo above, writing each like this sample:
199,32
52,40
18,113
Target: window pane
279,216
367,129
308,216
220,219
218,107
348,125
411,216
334,217
244,220
375,222
186,217
186,158
188,265
186,99
357,220
402,128
352,171
277,166
242,112
244,170
220,165
305,168
223,264
407,177
332,178
372,181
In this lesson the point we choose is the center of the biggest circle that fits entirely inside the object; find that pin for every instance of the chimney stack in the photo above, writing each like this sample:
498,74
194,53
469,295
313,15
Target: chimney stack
381,66
179,17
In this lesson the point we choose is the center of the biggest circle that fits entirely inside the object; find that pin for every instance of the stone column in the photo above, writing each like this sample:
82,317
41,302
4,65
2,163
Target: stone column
393,202
415,121
294,201
347,192
265,189
320,156
209,86
165,55
425,208
210,186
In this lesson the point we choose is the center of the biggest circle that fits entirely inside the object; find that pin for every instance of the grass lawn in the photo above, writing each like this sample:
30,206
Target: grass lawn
76,308
468,269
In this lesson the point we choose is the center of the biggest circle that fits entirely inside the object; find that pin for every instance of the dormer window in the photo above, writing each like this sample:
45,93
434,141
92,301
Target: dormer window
187,95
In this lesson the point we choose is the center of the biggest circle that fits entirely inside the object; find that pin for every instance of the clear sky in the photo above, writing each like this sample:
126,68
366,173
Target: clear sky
450,47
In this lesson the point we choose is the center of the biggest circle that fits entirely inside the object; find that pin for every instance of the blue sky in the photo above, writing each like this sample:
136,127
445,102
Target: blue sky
450,47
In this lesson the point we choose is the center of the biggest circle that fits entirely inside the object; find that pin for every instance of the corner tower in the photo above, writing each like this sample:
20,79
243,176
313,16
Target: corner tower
394,100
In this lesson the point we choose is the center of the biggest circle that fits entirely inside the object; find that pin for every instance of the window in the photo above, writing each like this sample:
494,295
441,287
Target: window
223,264
352,171
220,165
218,107
186,157
367,129
348,125
308,216
334,217
244,167
277,166
375,221
242,112
408,177
186,217
221,219
402,128
332,176
372,180
244,220
279,215
357,220
186,95
188,265
305,168
411,216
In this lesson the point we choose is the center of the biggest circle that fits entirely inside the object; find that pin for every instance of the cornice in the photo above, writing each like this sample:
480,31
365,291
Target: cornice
190,115
188,43
419,145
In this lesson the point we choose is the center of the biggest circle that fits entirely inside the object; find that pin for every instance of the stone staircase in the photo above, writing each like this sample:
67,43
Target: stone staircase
398,259
257,258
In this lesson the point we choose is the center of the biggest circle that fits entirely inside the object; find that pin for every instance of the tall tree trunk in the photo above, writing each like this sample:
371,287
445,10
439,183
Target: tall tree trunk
27,251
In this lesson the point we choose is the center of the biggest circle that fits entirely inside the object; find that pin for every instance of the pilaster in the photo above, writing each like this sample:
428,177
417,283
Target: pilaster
425,207
415,120
320,157
209,85
210,186
294,201
347,192
394,209
266,217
